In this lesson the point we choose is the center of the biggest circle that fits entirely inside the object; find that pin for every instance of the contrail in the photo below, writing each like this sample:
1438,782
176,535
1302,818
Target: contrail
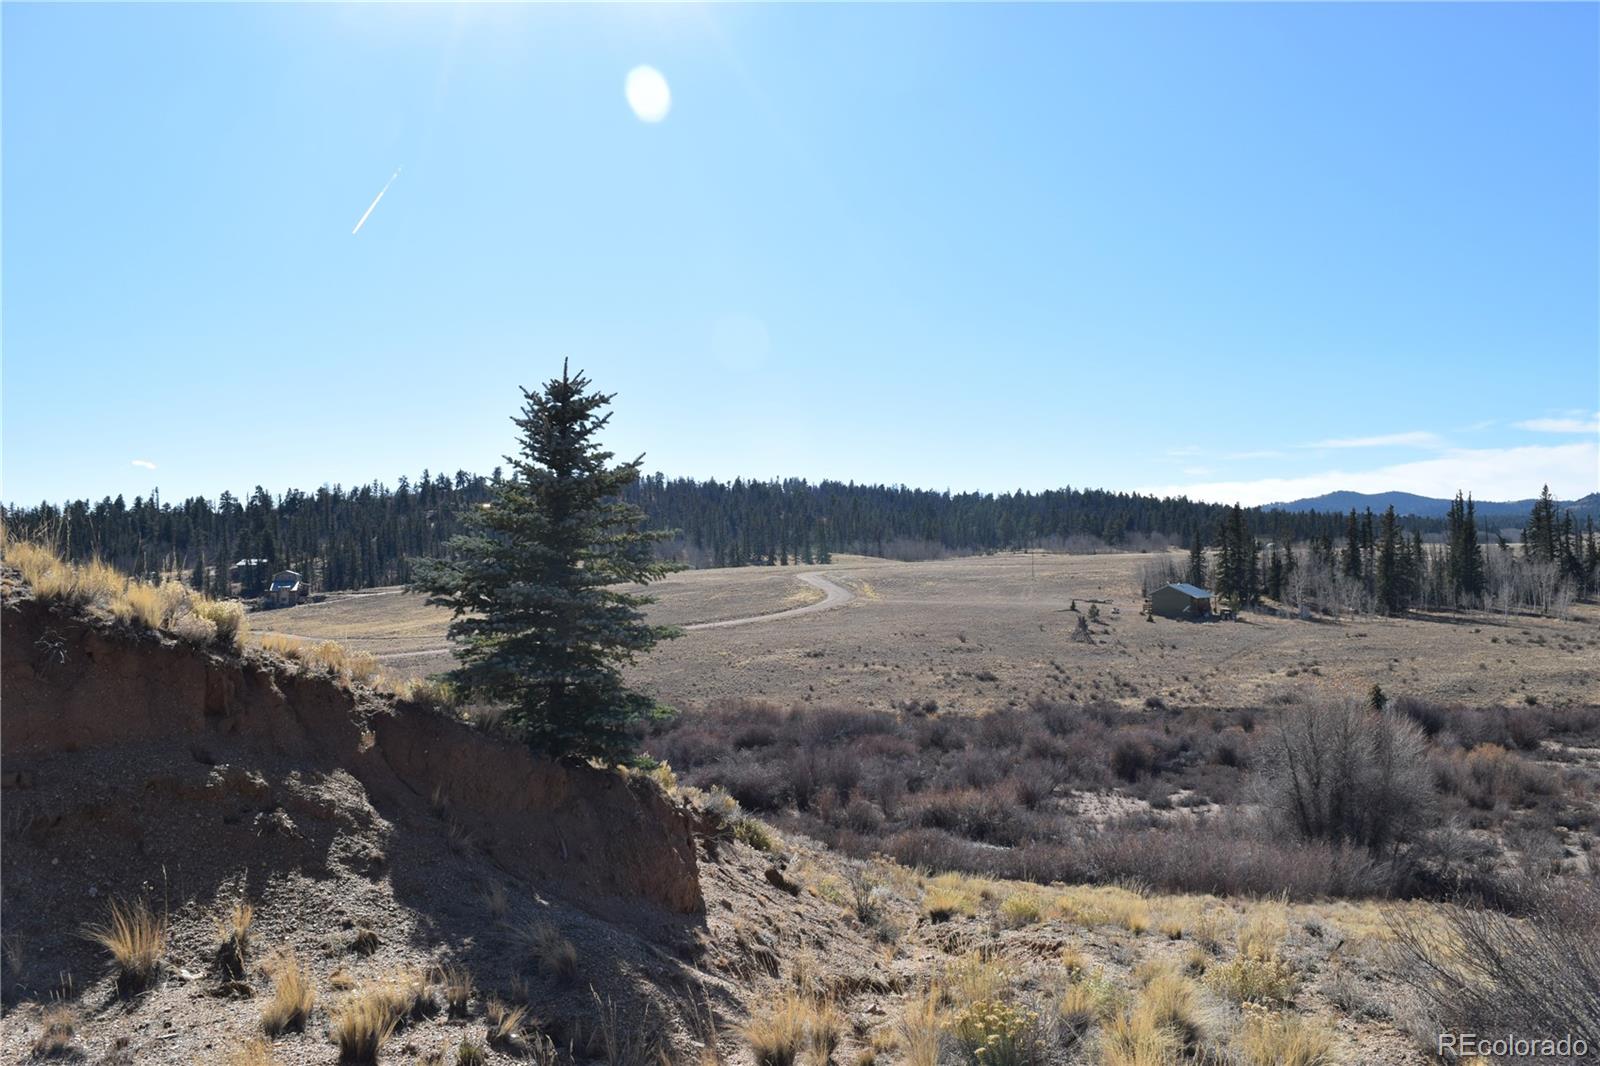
375,200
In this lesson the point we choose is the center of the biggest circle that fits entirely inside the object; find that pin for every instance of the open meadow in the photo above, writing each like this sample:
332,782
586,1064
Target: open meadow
982,632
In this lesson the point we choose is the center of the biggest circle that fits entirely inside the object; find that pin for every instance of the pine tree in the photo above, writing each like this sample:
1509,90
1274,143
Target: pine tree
197,580
1196,574
1274,575
1352,548
1389,583
1540,533
539,623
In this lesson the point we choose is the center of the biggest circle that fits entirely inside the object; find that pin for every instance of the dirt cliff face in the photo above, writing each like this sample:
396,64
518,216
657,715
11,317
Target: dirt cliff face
79,694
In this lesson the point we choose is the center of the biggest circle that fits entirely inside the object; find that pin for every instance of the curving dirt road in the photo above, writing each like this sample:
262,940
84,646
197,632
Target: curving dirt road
833,596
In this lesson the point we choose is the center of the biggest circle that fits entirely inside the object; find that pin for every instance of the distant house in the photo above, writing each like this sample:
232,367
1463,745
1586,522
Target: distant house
1180,600
286,589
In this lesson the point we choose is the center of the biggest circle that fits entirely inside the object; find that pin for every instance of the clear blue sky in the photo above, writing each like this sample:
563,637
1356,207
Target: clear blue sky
1251,251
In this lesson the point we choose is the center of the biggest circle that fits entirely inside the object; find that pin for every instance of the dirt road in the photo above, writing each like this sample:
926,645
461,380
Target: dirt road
833,596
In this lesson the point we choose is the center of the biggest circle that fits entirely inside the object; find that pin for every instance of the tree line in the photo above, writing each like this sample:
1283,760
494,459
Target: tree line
1374,565
341,538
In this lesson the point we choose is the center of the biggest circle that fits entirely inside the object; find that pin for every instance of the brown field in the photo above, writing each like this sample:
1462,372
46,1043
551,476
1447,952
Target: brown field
984,632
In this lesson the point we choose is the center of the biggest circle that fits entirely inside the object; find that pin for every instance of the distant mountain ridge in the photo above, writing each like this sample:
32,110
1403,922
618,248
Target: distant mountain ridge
1406,503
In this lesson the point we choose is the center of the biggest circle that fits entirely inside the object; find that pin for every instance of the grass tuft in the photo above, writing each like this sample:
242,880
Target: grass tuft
293,993
136,937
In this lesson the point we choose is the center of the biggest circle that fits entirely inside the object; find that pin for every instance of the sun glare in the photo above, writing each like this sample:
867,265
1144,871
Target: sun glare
648,94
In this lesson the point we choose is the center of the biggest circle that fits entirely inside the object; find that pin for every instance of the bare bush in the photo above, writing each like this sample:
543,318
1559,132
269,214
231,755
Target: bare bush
1536,974
1343,772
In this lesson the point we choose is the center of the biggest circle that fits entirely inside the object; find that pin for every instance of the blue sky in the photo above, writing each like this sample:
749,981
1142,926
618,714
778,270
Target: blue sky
1244,251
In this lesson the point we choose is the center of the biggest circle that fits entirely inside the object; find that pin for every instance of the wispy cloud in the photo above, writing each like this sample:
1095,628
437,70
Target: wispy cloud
147,464
1414,439
1562,425
375,200
1571,470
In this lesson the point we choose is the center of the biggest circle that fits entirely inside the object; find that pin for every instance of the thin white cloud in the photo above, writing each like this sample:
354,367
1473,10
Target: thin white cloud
1414,439
375,199
147,464
1571,471
1262,453
1562,425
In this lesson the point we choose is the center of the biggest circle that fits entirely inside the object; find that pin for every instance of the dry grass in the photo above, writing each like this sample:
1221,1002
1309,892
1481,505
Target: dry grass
457,985
470,1053
136,937
233,936
503,1020
325,657
169,606
1022,908
922,1028
293,994
1283,1040
253,1052
1166,1024
554,953
55,1037
1009,606
776,1034
363,1023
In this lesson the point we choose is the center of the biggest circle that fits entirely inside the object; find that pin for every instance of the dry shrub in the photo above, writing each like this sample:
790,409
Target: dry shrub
55,1037
554,953
1283,1040
1480,970
227,616
1343,772
364,942
293,993
136,937
995,1033
1245,979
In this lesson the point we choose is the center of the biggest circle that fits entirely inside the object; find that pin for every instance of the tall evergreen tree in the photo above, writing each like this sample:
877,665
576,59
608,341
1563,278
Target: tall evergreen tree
1352,547
1196,573
1389,583
1539,536
539,622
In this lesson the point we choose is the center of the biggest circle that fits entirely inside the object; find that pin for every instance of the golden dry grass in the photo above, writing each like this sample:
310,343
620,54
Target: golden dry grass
1283,1040
253,1052
503,1020
363,1023
921,1028
293,995
58,1026
136,938
457,985
169,606
233,936
776,1033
